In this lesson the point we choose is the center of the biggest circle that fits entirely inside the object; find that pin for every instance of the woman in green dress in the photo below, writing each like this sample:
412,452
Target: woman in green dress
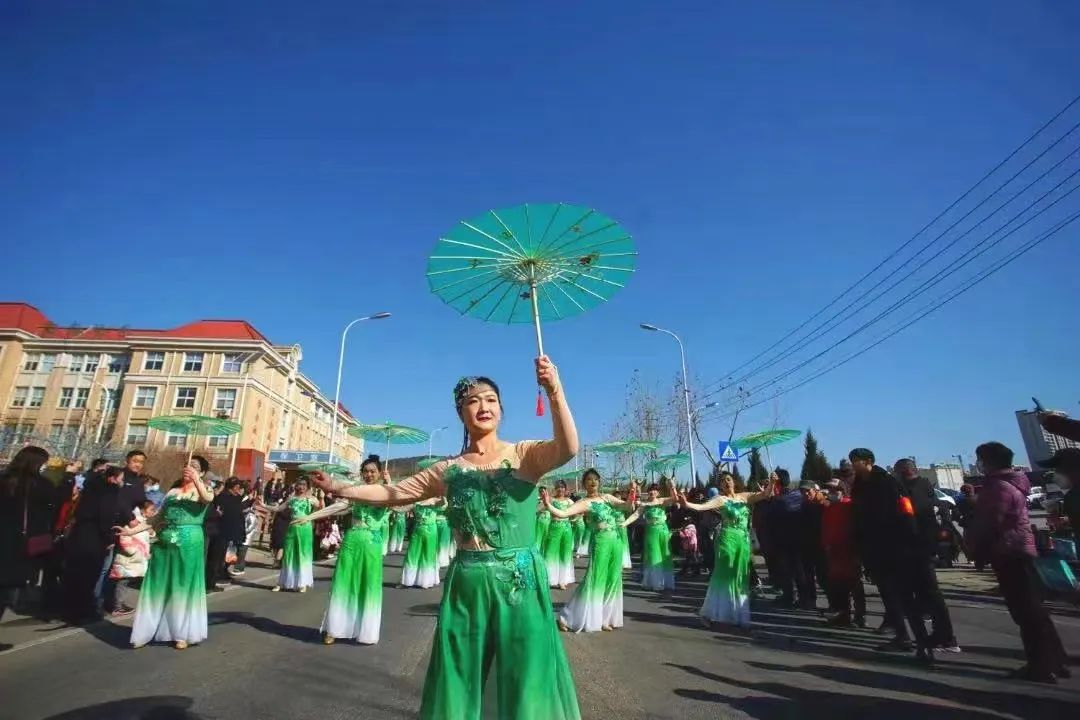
298,556
543,523
597,603
172,599
421,566
397,531
496,610
559,547
657,565
727,600
355,606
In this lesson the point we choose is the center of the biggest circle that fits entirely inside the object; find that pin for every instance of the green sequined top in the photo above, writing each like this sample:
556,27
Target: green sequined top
492,508
561,504
299,507
601,518
369,517
425,515
655,515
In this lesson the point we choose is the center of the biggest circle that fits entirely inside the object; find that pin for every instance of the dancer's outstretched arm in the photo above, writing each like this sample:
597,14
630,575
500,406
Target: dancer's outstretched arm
421,486
578,508
631,518
330,510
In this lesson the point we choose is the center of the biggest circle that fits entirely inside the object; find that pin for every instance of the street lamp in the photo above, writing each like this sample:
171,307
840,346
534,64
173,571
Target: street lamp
431,439
341,363
686,394
707,406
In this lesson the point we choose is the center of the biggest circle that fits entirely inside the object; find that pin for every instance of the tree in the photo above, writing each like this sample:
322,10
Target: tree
758,473
740,482
815,467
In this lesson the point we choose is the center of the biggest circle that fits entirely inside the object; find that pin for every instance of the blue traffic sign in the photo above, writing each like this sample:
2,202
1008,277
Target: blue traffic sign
727,452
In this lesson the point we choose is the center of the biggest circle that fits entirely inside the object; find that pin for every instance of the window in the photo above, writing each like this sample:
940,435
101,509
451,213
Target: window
66,394
91,362
174,440
217,441
75,364
37,396
193,362
55,433
48,362
231,362
136,435
145,396
225,400
154,361
119,363
32,361
185,397
81,396
18,398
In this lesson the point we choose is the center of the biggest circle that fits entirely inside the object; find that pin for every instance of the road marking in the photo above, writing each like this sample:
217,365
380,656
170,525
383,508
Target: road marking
71,632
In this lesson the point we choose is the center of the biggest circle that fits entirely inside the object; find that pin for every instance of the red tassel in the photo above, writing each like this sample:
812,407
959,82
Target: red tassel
539,404
906,507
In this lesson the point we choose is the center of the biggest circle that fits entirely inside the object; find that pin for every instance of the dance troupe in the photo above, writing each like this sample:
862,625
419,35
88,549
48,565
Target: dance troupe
508,543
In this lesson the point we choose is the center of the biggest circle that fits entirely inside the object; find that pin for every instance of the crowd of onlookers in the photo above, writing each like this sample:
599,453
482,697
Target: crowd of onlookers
892,529
59,542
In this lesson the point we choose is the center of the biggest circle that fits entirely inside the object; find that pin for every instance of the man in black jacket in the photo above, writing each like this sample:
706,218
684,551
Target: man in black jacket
924,573
228,513
100,509
885,538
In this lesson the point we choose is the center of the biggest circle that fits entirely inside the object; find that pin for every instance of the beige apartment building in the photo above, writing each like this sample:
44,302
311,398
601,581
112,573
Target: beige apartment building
89,391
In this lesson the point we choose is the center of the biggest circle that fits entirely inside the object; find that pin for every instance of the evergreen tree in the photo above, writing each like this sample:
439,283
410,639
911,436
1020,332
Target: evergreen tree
758,473
740,481
815,466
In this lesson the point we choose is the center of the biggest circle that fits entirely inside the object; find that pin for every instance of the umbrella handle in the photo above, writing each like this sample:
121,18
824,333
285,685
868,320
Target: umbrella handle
536,319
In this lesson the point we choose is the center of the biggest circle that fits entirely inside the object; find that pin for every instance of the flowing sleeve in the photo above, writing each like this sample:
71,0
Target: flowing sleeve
536,458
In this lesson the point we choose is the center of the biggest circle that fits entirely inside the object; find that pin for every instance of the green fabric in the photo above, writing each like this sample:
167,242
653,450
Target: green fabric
357,584
731,572
299,547
543,524
578,526
178,559
496,610
397,526
423,543
656,550
603,578
624,536
443,531
559,543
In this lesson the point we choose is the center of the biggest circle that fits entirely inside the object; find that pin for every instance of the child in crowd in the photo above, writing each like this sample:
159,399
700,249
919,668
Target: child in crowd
131,560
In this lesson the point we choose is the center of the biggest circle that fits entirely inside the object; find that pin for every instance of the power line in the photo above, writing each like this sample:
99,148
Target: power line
829,324
955,293
936,279
908,242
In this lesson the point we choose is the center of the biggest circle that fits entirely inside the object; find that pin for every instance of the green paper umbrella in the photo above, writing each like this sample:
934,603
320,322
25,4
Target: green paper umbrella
328,468
195,425
627,447
665,463
765,439
390,434
530,263
425,463
567,474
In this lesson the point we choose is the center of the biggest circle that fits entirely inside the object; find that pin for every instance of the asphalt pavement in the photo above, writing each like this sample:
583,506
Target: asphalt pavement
264,659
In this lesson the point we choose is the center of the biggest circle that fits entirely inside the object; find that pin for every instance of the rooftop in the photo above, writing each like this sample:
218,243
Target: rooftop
26,317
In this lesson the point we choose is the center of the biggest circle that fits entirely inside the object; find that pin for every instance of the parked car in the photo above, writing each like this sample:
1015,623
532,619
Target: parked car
1036,497
1054,496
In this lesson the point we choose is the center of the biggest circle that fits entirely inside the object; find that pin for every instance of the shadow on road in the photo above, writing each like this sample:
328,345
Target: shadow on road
157,707
300,633
795,700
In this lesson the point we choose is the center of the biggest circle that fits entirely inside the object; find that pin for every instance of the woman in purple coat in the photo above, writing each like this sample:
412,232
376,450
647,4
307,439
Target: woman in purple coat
1000,536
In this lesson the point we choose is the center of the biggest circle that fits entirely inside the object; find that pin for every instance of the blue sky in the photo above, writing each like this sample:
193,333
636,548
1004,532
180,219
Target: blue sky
168,162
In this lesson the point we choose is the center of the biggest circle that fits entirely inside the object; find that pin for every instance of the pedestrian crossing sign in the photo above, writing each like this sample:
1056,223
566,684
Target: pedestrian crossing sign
727,453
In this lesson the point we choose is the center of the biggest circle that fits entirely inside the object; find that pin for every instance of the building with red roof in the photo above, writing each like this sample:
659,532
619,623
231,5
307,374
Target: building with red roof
83,391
